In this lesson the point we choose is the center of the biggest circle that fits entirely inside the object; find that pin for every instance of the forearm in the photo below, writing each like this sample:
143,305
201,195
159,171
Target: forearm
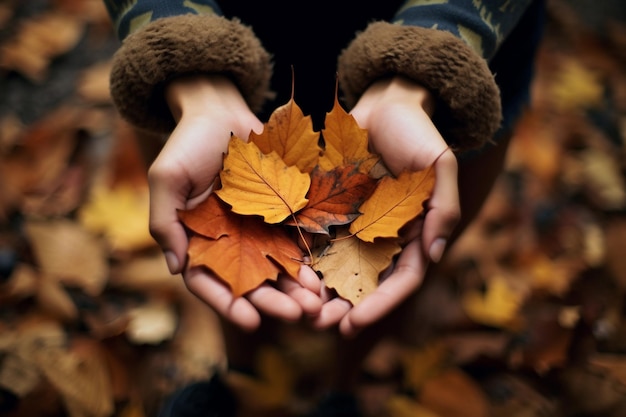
482,25
128,17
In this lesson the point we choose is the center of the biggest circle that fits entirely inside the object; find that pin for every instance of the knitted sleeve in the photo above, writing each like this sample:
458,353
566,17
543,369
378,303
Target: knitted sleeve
444,46
170,47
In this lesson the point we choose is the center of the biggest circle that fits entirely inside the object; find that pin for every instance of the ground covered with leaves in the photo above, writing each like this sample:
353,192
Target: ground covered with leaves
525,318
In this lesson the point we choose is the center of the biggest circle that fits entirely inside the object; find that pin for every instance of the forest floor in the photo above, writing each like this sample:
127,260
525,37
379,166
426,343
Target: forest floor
525,316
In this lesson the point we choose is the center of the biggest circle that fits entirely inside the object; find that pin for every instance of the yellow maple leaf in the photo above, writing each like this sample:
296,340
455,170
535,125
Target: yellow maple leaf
120,214
254,183
497,307
395,202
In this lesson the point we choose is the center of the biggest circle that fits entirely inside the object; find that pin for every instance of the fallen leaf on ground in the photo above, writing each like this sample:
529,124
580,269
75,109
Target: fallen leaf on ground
68,252
498,306
120,214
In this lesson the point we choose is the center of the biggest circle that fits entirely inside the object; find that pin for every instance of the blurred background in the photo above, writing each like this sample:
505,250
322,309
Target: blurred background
526,317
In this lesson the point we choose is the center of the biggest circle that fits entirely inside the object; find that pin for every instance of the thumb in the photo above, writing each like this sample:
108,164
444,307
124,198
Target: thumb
443,208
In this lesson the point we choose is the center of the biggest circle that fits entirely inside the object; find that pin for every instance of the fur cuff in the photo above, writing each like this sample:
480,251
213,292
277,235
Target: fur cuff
468,110
187,44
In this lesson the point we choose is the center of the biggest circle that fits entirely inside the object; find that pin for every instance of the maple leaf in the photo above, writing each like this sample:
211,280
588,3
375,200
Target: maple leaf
352,266
290,134
120,213
65,250
260,184
345,142
209,218
334,198
498,307
271,387
246,252
38,42
395,202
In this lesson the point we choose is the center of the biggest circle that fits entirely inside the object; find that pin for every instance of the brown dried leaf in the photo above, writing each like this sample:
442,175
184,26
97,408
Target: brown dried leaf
82,377
38,41
271,390
55,301
334,198
65,250
352,266
453,393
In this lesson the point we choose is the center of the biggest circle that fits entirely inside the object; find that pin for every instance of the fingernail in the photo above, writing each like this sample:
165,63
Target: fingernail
172,262
436,249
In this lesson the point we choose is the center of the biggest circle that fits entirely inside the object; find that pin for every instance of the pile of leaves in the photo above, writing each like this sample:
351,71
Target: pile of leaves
338,200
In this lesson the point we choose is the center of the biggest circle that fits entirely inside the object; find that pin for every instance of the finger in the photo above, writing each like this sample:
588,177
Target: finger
219,297
405,279
309,301
166,197
443,211
310,280
331,313
275,303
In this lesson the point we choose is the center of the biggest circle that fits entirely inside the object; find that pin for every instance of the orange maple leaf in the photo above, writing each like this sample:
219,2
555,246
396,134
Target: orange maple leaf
290,134
243,251
334,198
345,142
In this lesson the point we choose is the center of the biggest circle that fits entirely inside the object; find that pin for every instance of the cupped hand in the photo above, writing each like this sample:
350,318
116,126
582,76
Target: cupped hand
287,300
397,114
208,109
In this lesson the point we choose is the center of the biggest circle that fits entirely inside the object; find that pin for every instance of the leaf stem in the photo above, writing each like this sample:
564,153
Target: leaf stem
306,245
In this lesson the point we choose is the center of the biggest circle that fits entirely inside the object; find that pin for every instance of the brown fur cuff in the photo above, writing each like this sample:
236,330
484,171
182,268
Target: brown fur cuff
468,109
188,44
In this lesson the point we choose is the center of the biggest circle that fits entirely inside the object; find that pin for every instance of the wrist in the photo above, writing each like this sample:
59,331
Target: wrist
398,89
405,88
194,94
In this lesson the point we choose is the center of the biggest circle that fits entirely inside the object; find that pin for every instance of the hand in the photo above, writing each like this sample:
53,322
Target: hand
396,112
207,110
287,300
